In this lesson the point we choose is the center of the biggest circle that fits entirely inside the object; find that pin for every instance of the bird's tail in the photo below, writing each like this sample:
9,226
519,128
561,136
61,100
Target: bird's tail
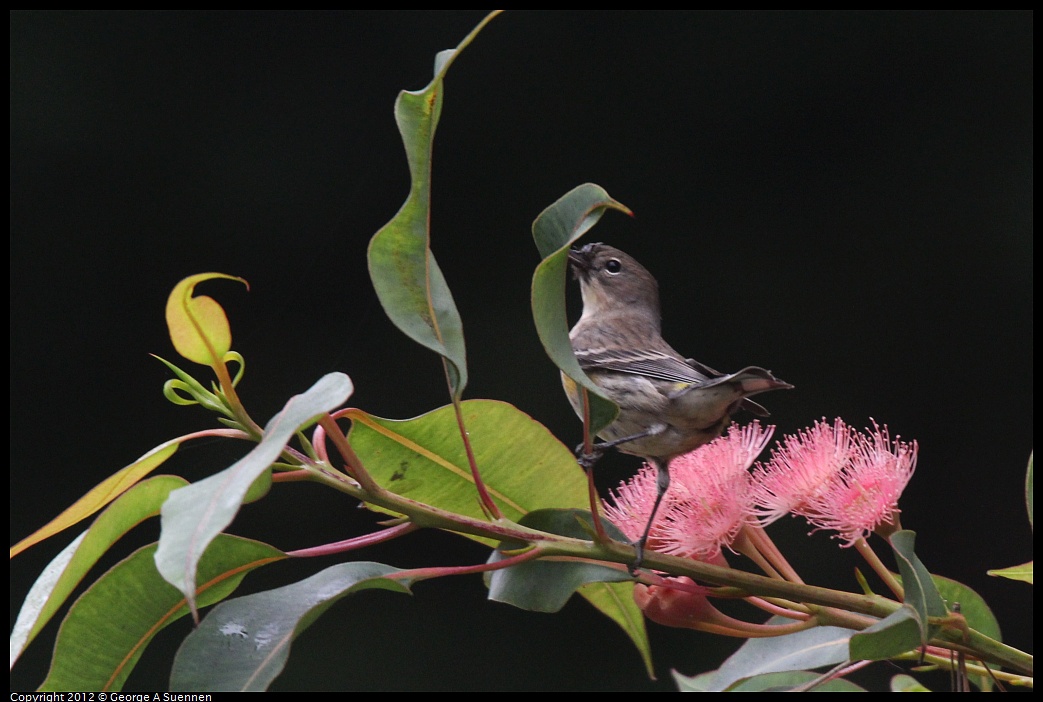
731,392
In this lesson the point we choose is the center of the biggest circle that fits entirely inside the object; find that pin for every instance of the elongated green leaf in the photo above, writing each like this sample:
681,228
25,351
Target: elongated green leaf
109,626
67,569
803,650
100,495
897,633
193,516
920,591
1021,572
523,465
405,275
554,231
198,326
243,644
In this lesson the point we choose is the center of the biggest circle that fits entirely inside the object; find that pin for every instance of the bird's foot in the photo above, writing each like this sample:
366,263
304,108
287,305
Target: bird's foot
639,548
588,460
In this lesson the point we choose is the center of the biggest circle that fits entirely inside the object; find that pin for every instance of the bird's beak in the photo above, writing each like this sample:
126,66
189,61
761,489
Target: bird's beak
578,262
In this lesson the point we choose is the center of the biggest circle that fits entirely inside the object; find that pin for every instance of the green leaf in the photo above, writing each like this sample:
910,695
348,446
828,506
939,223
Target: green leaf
522,464
803,650
896,634
198,326
920,591
243,644
101,494
64,573
1021,572
972,606
789,681
545,586
109,626
193,516
405,275
554,231
524,467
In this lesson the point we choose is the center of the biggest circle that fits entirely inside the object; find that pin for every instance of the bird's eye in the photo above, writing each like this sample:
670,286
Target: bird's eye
613,266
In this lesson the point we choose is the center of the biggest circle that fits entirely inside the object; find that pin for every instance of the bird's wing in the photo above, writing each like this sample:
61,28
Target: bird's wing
649,363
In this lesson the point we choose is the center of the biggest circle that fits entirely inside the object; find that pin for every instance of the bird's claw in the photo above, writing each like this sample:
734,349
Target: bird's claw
588,460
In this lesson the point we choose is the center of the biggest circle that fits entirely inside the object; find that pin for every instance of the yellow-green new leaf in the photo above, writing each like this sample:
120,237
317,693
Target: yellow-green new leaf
100,495
198,326
69,567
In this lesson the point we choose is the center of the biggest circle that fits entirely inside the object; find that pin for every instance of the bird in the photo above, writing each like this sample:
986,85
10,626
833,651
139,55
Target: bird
669,405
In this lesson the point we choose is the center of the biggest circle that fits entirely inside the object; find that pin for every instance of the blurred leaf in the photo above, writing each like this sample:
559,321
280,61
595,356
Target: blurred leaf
193,516
803,650
64,573
523,465
907,683
920,591
101,494
243,644
1021,572
894,635
555,230
1029,502
109,626
198,326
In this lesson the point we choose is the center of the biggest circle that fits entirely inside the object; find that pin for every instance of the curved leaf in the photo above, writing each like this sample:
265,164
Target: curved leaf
896,634
405,275
543,585
554,231
109,626
67,569
198,326
193,516
783,682
920,591
101,494
243,644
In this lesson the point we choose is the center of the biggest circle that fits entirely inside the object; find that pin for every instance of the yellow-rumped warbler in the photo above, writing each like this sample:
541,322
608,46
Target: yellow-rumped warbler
668,404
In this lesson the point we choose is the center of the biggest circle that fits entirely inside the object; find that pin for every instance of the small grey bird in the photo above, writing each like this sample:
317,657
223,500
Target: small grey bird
669,405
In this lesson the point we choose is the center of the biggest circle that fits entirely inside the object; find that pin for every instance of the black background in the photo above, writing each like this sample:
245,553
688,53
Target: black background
842,197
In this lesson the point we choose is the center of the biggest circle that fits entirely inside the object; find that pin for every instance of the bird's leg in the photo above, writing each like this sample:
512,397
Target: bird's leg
587,460
662,484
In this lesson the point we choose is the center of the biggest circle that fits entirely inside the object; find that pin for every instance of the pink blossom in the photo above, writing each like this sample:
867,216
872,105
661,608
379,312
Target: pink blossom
865,496
801,468
707,503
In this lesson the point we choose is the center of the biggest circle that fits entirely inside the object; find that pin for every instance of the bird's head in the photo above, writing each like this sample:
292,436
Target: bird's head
612,282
